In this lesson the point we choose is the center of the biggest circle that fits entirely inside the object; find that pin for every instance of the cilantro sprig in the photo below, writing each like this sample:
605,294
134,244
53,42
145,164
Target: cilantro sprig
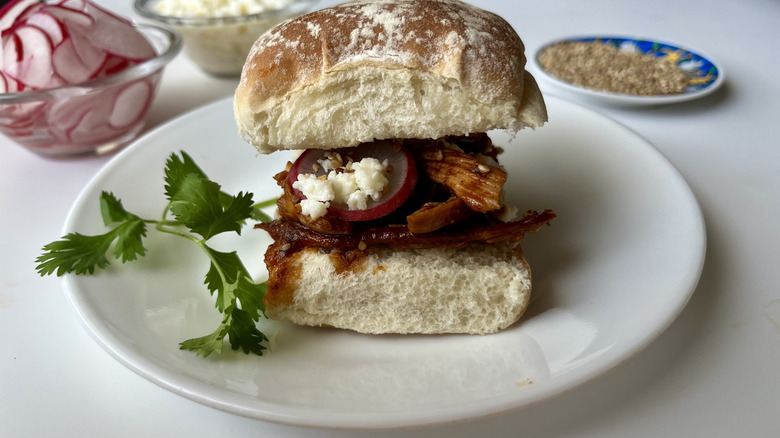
197,210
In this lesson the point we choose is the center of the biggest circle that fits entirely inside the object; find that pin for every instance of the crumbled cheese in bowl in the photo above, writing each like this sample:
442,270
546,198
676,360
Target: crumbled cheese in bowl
351,185
217,8
218,34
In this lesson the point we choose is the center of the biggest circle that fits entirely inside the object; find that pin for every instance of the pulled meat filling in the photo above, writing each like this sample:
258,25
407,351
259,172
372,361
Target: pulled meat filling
476,183
457,201
458,179
291,236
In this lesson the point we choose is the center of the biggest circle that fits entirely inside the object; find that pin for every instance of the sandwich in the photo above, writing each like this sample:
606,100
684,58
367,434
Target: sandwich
392,216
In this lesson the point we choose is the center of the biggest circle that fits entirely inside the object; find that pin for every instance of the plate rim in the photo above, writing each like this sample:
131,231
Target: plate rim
620,98
205,395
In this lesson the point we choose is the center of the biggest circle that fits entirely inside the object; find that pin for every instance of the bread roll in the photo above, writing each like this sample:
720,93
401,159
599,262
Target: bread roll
477,290
368,70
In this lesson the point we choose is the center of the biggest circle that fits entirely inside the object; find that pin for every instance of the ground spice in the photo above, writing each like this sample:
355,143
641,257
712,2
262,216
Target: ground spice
604,67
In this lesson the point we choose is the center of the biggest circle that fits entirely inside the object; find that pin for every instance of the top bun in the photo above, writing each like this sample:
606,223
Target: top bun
366,70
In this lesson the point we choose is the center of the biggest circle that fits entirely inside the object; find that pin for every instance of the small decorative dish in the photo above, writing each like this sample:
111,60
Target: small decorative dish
621,70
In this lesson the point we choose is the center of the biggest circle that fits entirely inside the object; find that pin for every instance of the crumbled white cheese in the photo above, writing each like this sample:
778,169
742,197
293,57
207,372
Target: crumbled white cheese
363,179
221,48
216,8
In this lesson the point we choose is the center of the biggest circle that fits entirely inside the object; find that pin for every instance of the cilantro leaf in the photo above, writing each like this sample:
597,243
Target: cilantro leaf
111,209
82,254
75,253
238,326
211,343
230,279
177,169
198,205
243,333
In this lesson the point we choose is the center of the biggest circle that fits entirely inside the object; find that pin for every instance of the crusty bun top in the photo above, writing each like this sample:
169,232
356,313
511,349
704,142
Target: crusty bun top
366,70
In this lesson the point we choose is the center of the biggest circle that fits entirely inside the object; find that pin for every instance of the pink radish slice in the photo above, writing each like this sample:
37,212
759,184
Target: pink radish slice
35,69
92,127
89,54
92,7
69,16
113,64
12,49
46,22
402,179
130,105
12,86
88,127
17,10
68,65
65,114
73,4
118,37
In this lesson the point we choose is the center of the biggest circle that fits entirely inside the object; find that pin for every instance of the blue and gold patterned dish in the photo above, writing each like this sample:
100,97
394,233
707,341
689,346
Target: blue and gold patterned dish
705,75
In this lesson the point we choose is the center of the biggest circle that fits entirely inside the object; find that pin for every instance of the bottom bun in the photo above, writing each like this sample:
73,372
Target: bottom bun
477,290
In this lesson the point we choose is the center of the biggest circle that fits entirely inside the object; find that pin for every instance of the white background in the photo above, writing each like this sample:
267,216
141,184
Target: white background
715,372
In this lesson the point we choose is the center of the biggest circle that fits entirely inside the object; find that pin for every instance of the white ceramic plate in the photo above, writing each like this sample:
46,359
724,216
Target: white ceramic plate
613,271
705,75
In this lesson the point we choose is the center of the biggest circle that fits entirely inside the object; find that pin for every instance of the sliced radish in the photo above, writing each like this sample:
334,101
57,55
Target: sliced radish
34,70
118,37
68,65
130,105
113,64
17,10
70,16
402,179
89,54
65,114
46,22
73,4
91,128
12,50
91,7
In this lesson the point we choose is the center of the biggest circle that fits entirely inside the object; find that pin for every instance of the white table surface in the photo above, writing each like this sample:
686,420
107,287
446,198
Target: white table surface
715,372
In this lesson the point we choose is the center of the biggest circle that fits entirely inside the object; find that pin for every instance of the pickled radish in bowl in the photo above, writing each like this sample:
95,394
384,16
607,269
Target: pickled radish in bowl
75,77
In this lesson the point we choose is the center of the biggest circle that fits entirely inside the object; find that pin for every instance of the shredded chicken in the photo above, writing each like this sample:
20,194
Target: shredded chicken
293,236
475,183
433,216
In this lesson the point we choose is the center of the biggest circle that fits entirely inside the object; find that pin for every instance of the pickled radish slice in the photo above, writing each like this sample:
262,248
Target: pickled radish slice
34,69
402,178
73,4
14,11
112,65
71,17
68,65
47,45
12,50
91,56
47,23
116,36
130,104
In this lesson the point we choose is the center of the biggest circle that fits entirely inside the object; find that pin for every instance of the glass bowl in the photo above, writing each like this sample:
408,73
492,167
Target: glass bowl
219,44
92,117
